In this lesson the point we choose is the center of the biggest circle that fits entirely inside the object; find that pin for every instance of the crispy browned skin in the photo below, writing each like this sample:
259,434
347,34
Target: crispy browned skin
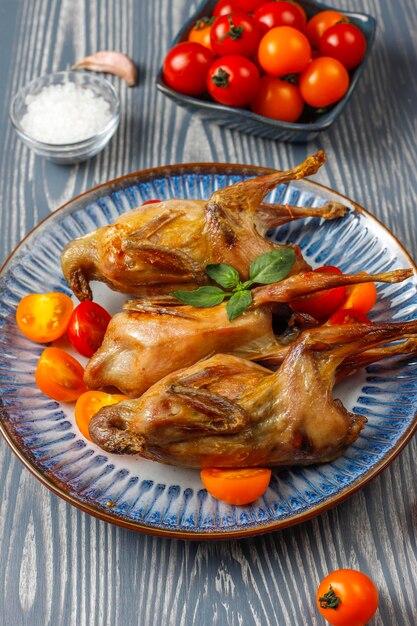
229,412
157,247
154,338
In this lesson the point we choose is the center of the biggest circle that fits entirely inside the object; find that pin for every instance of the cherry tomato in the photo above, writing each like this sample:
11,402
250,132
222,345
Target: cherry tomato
87,327
361,297
224,7
281,13
347,597
236,486
284,50
151,202
319,23
301,11
89,403
324,82
185,67
278,100
200,32
322,304
44,317
235,33
233,80
344,42
347,316
59,376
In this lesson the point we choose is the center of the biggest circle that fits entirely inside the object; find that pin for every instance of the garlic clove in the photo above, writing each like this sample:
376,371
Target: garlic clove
111,62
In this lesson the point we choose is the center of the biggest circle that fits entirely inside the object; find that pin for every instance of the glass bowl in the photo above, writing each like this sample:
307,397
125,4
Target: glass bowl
310,123
76,151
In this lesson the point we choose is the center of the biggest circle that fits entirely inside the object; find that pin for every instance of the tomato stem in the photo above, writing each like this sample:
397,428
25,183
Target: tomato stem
290,78
235,32
221,79
203,23
330,600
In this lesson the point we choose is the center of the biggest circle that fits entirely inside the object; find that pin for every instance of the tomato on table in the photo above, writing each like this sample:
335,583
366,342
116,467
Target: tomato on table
347,597
87,327
89,403
324,82
344,42
233,80
185,67
347,316
44,317
59,376
278,99
200,32
322,304
236,486
361,297
284,50
235,33
281,13
319,23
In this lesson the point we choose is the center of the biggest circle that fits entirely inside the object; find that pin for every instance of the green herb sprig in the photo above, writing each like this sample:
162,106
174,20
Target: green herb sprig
267,268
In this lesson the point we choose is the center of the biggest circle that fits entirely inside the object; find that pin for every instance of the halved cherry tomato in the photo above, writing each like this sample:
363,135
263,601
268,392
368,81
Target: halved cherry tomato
322,304
347,316
87,327
344,42
278,99
361,297
235,33
281,13
324,82
284,50
319,23
59,376
89,403
44,317
233,80
185,67
200,32
236,486
347,597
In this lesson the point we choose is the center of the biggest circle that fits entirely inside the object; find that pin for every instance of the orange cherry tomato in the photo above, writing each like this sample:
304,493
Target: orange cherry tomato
284,50
319,23
200,32
44,317
347,316
278,100
324,82
89,403
236,486
59,376
347,597
322,304
361,297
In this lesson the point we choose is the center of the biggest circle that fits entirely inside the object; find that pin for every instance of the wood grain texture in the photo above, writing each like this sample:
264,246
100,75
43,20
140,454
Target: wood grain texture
59,566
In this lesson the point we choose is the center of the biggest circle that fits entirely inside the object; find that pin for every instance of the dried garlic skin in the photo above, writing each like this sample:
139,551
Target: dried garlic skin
111,62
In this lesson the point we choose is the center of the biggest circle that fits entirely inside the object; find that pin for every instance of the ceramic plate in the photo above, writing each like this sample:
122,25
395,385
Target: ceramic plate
170,501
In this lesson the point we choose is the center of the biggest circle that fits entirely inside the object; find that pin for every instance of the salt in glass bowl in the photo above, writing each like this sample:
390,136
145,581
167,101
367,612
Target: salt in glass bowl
77,151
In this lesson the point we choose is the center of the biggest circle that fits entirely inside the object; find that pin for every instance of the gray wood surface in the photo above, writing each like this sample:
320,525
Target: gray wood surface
58,566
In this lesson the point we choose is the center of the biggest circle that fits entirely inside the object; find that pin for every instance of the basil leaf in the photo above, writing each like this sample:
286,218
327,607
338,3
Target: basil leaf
201,297
272,266
238,303
222,274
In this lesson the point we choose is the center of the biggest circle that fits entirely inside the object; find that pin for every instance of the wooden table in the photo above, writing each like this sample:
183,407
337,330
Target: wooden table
58,566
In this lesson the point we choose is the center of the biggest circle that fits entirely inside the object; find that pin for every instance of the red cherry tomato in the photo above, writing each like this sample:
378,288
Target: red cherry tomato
319,23
185,67
347,316
284,50
347,597
87,327
233,80
322,304
324,82
200,32
89,403
44,317
59,376
344,42
281,13
236,33
236,486
278,100
224,7
301,11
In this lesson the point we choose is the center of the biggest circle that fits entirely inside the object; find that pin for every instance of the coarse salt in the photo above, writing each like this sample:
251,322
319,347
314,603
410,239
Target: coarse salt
64,114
